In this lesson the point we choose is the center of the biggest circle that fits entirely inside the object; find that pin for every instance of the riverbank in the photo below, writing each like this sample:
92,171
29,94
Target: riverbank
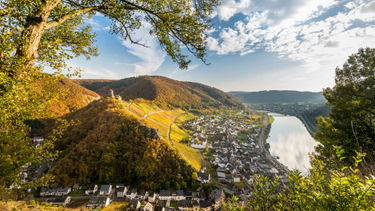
291,142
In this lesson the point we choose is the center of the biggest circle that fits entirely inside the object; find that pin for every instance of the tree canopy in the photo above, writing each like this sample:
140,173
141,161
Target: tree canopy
40,33
351,123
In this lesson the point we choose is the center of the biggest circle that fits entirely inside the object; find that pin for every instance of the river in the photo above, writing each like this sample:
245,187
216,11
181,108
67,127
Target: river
291,142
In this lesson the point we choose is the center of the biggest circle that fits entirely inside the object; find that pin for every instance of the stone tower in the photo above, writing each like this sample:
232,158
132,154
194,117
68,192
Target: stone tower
111,93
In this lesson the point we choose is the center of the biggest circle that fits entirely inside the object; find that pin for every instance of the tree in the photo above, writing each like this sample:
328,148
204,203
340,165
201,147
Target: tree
39,33
351,123
322,189
50,31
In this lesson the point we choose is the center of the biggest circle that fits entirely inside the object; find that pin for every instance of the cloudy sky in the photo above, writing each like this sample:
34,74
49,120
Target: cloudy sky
253,45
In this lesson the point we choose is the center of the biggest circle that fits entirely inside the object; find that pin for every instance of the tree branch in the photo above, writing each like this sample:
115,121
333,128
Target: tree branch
73,13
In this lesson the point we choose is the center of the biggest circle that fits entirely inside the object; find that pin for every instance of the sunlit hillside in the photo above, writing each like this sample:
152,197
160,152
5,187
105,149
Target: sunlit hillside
162,91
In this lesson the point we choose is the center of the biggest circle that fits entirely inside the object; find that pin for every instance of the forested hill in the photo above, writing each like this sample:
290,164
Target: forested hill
162,91
276,96
67,97
108,145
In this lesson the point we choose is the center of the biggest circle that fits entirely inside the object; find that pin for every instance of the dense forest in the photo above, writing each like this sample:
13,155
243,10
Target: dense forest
163,91
106,145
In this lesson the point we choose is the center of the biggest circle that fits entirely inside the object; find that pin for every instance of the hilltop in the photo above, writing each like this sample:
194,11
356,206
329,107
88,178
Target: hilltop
276,96
108,144
162,91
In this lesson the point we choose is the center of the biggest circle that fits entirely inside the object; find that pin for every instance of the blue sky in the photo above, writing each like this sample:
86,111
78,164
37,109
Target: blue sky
253,45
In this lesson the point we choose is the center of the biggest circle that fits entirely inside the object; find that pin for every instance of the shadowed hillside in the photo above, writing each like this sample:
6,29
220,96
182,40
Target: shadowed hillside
163,91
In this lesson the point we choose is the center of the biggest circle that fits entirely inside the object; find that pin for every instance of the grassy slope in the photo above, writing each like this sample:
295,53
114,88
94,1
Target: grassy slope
160,121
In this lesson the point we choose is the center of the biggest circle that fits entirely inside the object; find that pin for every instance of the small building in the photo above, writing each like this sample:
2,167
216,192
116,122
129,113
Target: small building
203,178
219,197
236,179
148,207
205,205
121,192
91,189
165,195
152,197
180,195
105,190
62,191
134,204
98,202
132,194
63,201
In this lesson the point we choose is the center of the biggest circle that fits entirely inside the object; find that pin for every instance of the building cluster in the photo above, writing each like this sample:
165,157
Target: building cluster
100,197
236,153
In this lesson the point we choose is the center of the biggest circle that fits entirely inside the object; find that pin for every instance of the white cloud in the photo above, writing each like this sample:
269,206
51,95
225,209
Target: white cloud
152,57
321,43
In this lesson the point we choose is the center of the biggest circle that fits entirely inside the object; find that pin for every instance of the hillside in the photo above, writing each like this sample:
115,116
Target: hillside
108,144
162,91
275,96
68,97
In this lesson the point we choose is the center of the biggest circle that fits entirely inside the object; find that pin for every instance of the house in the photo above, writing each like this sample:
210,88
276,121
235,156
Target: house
165,195
141,194
134,204
152,197
91,189
132,194
221,174
62,191
148,207
236,179
203,178
219,197
205,205
121,191
63,201
37,141
76,187
55,191
180,195
98,202
185,205
105,190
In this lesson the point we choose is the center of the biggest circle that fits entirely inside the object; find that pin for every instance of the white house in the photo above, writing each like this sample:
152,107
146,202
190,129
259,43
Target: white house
98,202
105,190
91,189
121,192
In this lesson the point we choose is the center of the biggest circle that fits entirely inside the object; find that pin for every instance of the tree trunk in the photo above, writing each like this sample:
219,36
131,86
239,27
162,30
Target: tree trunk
34,29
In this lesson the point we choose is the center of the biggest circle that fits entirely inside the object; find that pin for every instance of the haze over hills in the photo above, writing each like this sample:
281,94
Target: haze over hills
276,96
162,91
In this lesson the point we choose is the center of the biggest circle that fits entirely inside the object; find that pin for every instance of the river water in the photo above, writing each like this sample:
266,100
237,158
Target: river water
291,142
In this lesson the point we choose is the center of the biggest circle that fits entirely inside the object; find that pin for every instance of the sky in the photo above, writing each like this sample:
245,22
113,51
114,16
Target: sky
253,45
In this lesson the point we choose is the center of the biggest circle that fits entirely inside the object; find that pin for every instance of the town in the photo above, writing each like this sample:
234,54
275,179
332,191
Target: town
236,151
232,145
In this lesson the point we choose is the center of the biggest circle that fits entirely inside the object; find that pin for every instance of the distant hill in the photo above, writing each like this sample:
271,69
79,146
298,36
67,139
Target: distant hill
162,91
275,96
107,145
